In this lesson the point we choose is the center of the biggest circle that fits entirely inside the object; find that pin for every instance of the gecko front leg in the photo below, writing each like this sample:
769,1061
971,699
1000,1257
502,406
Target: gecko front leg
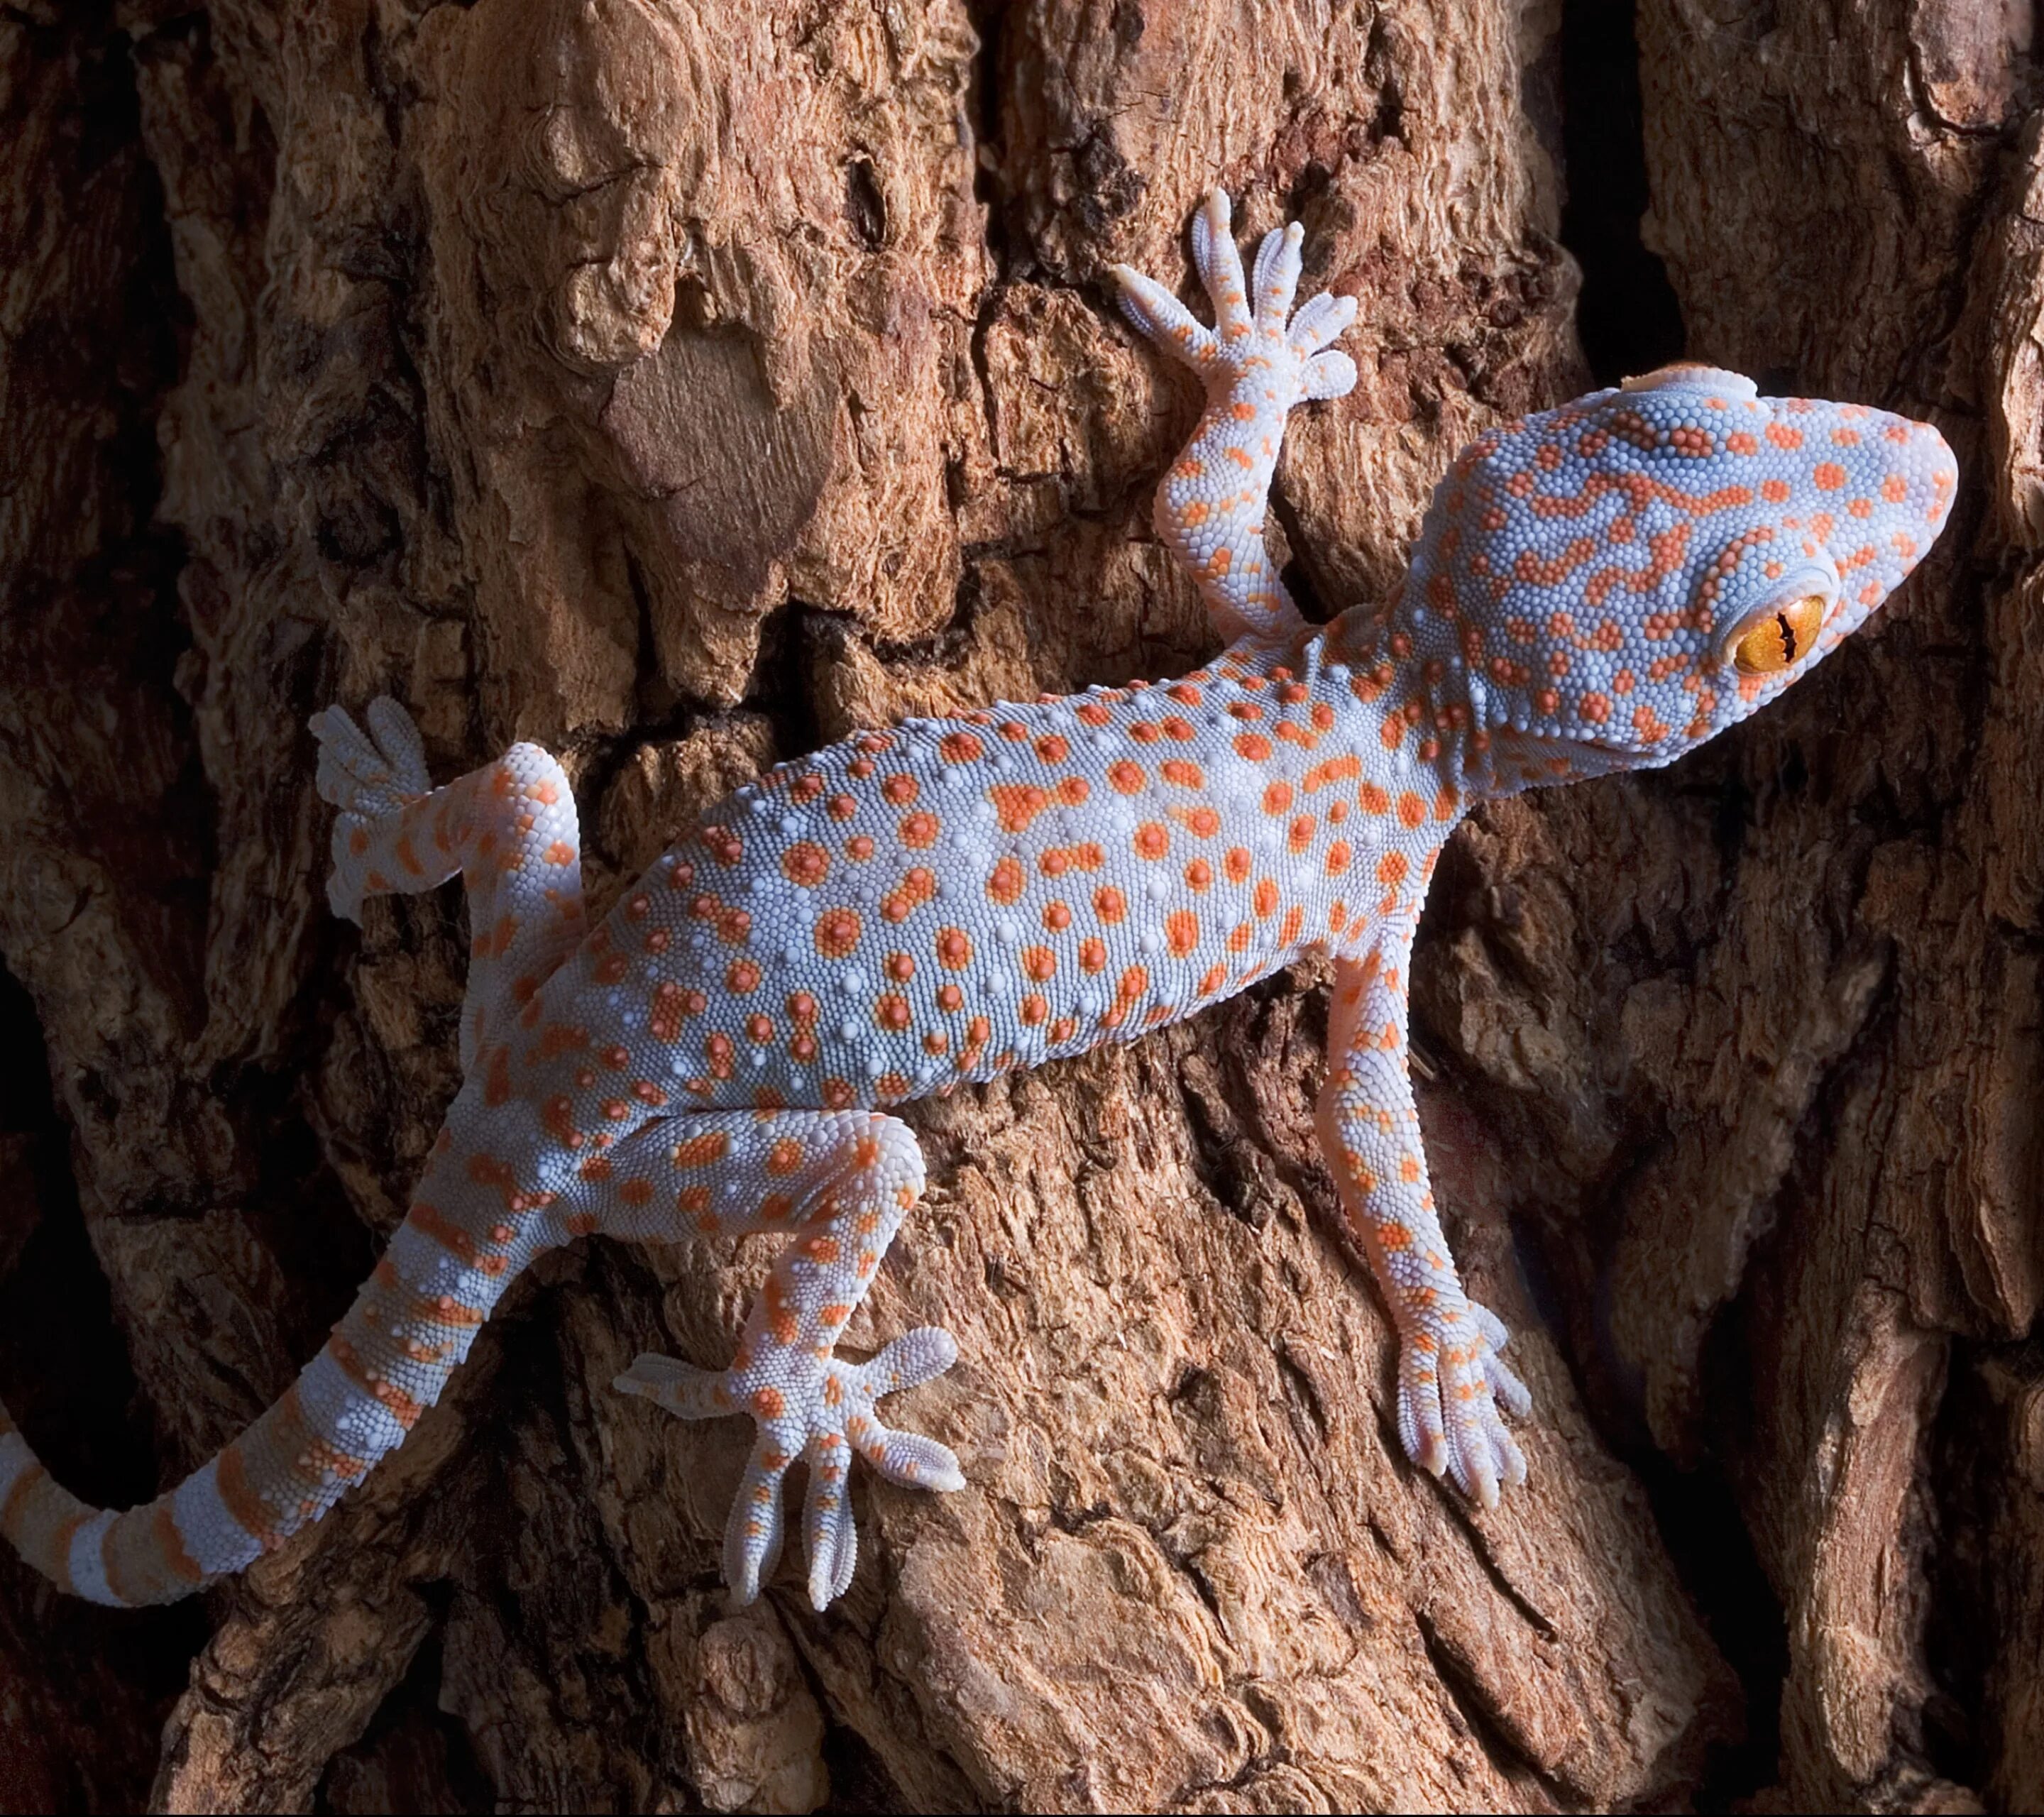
1452,1380
1256,364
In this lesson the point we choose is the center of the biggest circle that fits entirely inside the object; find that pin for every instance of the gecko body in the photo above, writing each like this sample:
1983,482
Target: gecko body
1596,588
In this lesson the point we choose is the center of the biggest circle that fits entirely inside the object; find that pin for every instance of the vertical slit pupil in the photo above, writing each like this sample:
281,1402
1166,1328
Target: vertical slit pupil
1788,635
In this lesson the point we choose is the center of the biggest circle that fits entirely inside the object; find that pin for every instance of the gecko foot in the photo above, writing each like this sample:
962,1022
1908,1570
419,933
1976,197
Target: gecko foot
1450,1389
374,772
1245,339
825,1413
372,778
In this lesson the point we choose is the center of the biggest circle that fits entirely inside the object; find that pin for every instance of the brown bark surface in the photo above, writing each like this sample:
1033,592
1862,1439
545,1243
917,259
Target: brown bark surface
680,385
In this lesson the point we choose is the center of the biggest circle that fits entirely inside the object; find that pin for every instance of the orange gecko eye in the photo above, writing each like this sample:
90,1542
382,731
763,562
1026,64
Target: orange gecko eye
1779,638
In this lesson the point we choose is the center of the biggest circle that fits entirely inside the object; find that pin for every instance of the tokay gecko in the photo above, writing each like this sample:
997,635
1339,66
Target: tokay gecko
1600,587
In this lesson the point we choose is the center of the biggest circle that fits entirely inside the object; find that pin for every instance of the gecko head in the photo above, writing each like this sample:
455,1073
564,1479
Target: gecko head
1606,585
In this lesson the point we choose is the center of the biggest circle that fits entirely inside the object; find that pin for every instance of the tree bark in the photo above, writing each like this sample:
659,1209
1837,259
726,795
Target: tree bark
680,386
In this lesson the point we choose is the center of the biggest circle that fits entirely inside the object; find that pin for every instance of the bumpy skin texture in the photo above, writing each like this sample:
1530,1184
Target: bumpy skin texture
943,901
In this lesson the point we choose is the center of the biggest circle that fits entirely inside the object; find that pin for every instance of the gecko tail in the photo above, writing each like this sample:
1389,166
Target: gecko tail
386,1362
122,1560
285,1471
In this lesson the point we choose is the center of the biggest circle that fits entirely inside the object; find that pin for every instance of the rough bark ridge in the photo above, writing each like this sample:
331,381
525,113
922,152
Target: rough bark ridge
680,384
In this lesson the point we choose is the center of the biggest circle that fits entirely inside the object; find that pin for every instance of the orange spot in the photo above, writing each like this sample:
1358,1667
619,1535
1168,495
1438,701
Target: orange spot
701,1150
1828,476
1017,804
837,932
1334,770
1005,884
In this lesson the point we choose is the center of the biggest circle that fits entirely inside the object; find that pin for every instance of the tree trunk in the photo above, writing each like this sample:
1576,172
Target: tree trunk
680,386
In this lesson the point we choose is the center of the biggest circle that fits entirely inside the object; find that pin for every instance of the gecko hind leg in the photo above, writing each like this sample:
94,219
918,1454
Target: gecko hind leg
839,1183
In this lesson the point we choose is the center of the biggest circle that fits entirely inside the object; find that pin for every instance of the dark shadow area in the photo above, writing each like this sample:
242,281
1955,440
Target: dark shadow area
1703,1528
1984,1568
1628,318
90,631
104,1675
413,1756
